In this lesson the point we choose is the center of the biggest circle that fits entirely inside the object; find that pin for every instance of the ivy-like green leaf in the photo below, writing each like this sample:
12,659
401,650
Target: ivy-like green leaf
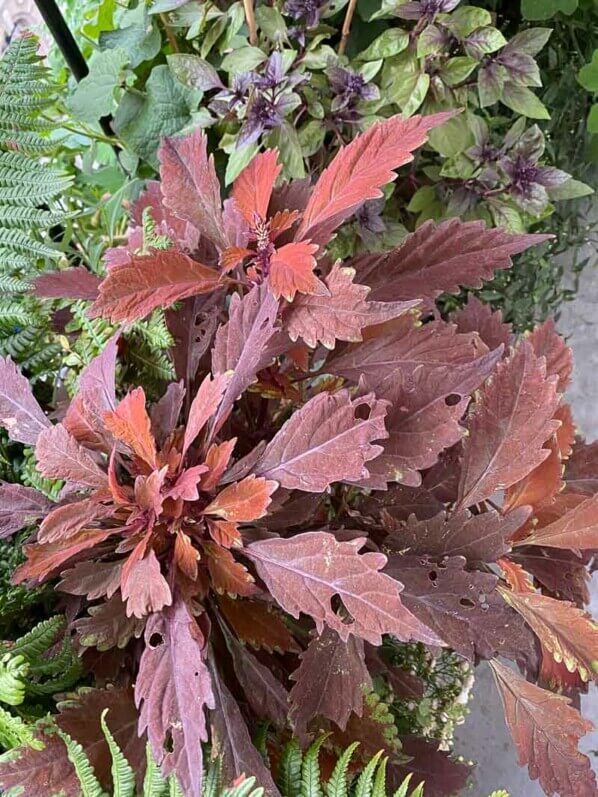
94,96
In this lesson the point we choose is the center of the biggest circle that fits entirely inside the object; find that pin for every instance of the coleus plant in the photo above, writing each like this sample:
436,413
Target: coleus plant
336,464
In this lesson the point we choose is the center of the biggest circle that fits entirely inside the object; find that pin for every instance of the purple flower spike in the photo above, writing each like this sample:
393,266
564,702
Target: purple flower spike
426,9
309,10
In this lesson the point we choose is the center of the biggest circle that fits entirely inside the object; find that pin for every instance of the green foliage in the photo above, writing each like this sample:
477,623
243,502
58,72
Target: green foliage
299,774
446,681
33,668
30,206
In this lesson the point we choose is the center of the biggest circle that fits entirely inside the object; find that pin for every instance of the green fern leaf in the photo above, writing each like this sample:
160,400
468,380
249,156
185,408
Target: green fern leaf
174,790
247,788
90,786
289,770
212,779
153,783
365,782
310,769
379,789
123,777
16,733
13,679
337,786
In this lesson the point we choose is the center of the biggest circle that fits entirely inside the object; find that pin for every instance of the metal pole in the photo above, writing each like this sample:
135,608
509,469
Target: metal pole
68,47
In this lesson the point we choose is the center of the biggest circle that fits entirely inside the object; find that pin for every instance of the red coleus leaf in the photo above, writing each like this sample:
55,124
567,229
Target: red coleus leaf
81,720
186,484
511,420
326,440
516,577
359,171
92,579
35,772
546,732
460,362
255,623
228,576
330,682
440,774
231,740
264,692
131,424
59,456
134,289
19,507
216,461
144,588
305,572
84,417
479,538
581,472
43,560
565,631
575,529
342,314
441,258
71,283
292,270
478,317
421,423
541,485
107,625
182,232
233,257
241,345
548,343
190,186
253,187
462,607
173,690
243,501
225,533
165,413
66,521
20,414
186,555
204,406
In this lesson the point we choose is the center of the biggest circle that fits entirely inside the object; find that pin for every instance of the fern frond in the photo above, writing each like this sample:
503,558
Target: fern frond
90,786
31,477
19,242
13,316
34,645
123,777
14,732
365,782
30,189
11,285
153,783
289,770
311,785
379,788
13,679
403,789
337,786
247,788
212,778
174,790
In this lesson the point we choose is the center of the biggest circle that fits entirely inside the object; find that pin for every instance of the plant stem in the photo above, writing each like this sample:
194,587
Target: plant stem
250,18
169,33
347,26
